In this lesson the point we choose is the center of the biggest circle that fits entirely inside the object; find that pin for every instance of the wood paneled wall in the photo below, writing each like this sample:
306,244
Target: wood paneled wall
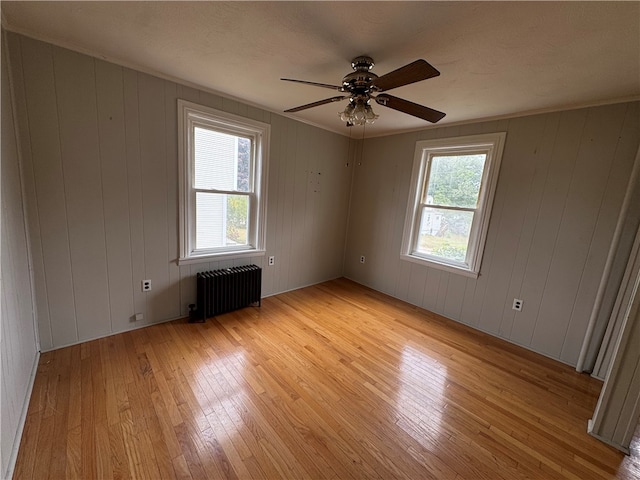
561,185
100,157
100,150
18,340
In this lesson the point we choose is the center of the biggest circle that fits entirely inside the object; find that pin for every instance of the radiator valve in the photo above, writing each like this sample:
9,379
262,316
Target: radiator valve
193,314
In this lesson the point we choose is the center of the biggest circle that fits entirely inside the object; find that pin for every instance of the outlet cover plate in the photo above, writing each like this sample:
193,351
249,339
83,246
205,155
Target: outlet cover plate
517,304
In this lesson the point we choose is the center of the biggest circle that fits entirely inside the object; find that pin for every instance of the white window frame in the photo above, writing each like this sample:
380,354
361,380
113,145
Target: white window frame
191,115
492,144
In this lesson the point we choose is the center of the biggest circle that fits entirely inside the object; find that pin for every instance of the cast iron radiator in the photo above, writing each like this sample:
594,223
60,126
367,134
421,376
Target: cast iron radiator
228,289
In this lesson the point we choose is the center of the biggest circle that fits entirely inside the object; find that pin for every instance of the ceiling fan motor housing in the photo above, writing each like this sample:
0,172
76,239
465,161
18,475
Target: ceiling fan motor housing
358,82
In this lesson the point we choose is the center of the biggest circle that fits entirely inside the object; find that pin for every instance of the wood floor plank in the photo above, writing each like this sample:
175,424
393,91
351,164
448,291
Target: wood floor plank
57,466
119,459
43,447
333,381
181,469
132,447
73,444
104,468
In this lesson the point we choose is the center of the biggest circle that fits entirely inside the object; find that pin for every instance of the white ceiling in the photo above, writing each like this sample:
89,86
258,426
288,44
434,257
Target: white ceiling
496,58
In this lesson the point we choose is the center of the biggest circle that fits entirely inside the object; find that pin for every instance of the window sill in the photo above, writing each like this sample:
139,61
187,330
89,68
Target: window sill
212,257
440,266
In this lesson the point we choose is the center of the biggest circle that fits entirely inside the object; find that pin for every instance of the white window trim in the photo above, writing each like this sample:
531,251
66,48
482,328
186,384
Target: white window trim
190,114
493,145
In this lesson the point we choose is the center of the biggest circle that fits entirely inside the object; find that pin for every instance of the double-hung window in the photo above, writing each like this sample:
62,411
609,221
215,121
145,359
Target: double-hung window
452,189
223,165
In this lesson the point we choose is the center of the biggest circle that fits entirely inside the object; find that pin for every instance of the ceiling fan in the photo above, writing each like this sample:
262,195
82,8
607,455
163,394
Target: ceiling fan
362,85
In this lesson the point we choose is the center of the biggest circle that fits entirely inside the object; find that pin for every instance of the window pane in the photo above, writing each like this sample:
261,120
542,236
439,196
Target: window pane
454,181
221,220
444,233
222,161
237,219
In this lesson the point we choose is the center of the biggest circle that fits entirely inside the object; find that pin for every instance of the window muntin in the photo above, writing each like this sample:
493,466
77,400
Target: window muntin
223,177
452,190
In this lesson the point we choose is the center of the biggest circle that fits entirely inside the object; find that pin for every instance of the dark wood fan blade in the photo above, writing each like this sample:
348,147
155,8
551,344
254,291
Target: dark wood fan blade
414,72
405,106
317,104
315,84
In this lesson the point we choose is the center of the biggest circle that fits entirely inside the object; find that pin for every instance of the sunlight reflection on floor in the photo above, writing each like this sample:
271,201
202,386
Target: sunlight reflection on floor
423,377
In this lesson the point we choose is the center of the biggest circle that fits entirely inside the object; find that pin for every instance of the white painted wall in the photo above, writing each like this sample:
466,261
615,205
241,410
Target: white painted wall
102,182
560,189
18,337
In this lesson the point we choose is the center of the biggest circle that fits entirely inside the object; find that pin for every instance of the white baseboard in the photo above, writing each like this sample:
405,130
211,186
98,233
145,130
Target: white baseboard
622,448
23,419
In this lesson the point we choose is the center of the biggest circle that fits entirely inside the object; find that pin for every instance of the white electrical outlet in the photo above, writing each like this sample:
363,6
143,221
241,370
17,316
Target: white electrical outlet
146,285
138,316
272,260
517,304
362,259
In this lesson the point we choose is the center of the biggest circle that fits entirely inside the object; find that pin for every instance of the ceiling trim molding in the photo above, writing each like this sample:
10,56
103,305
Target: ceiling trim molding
526,113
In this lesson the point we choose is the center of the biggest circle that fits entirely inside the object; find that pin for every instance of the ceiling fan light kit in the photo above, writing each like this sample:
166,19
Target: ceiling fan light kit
358,113
362,85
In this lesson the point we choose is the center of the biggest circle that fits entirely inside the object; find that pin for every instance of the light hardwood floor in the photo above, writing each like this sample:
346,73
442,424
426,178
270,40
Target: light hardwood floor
332,381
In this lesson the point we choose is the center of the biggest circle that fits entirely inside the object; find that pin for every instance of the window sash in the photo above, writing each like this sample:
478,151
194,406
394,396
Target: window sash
250,223
250,226
253,140
458,152
438,258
